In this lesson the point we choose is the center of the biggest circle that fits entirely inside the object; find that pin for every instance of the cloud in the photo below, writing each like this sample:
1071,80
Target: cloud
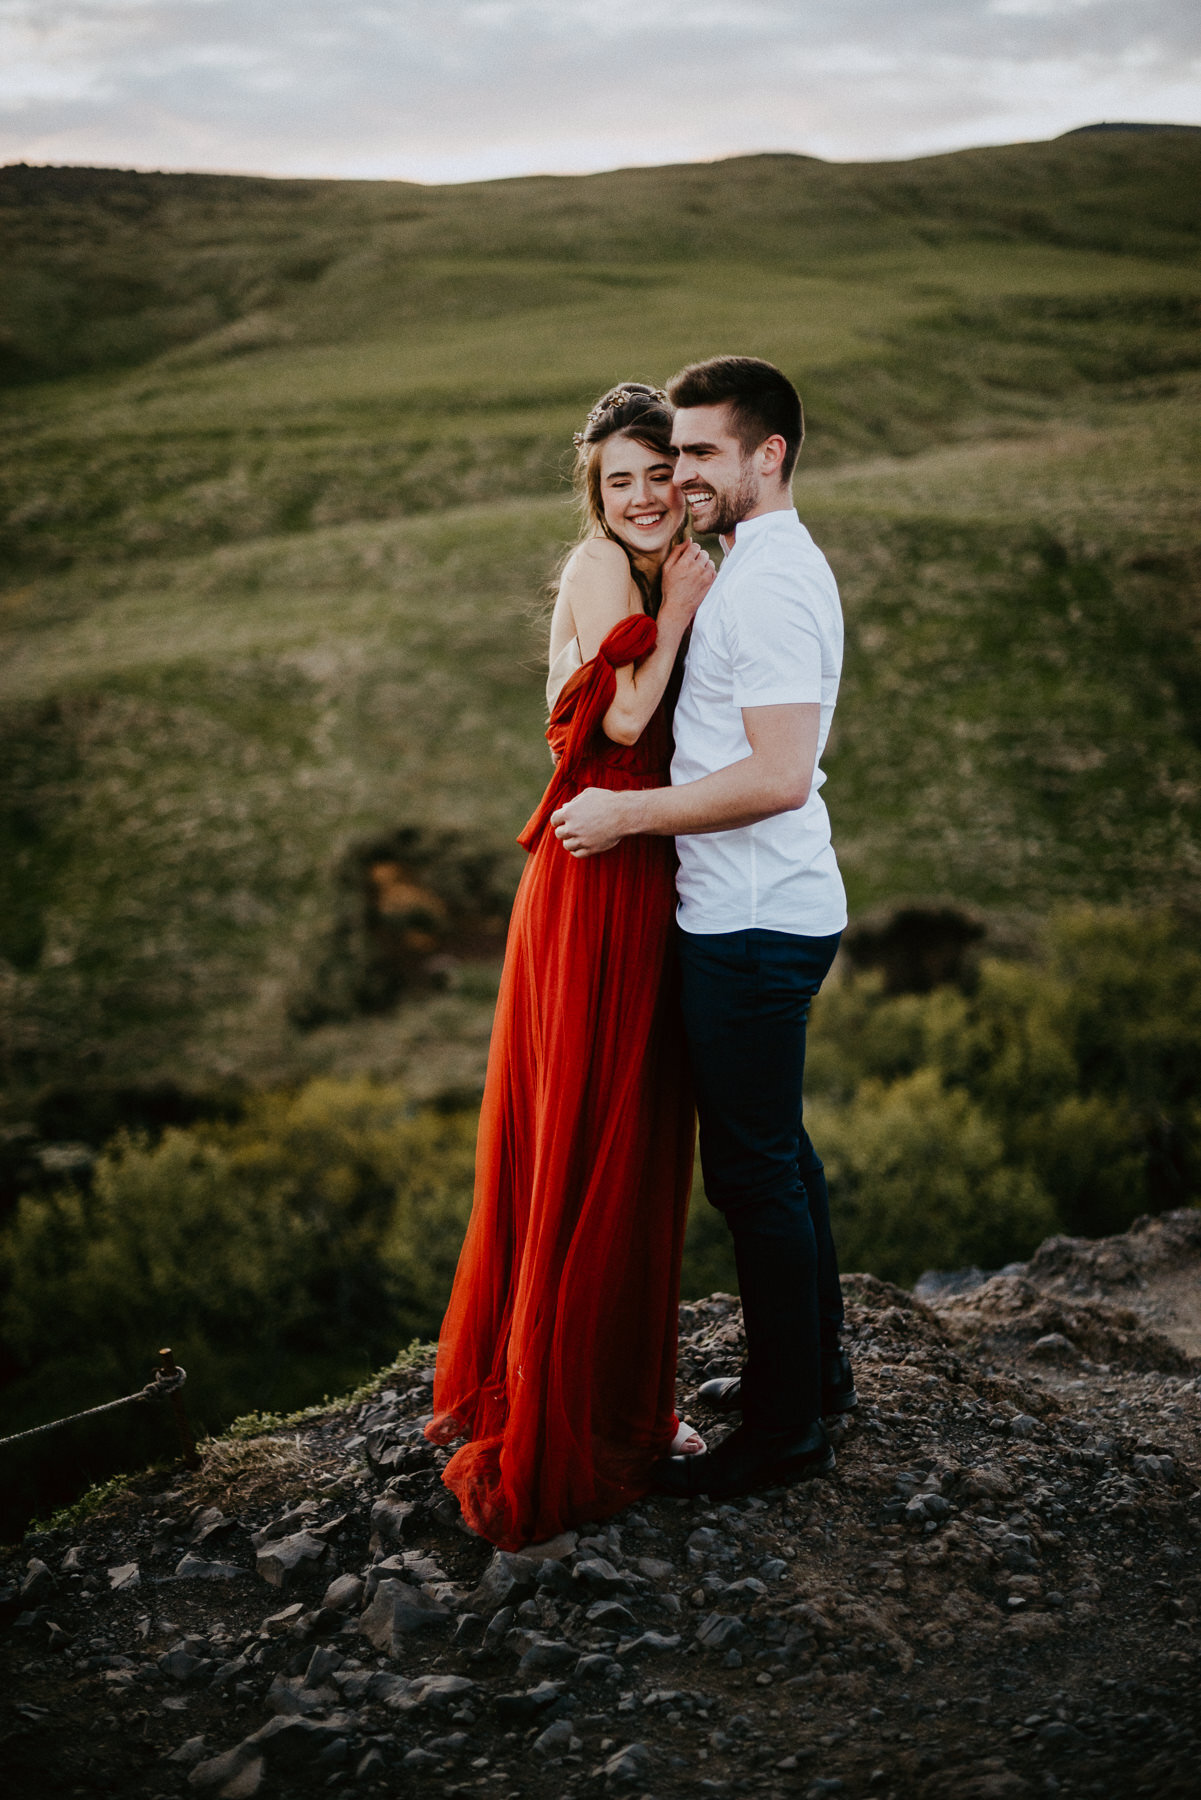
452,89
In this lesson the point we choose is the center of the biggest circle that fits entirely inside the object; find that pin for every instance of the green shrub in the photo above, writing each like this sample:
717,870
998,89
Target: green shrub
1082,1059
281,1255
919,1180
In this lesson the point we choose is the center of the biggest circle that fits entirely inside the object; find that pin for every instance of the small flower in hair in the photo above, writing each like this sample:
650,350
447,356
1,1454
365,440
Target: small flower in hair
613,402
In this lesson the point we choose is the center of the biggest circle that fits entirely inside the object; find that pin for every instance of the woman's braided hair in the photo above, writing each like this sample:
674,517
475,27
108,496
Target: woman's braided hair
628,403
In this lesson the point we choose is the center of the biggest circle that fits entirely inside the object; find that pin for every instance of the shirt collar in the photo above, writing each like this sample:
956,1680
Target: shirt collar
785,516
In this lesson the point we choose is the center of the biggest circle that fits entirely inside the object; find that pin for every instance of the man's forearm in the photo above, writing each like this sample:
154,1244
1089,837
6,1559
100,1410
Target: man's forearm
741,794
774,778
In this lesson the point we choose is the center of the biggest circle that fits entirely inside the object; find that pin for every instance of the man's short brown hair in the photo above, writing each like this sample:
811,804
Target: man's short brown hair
763,403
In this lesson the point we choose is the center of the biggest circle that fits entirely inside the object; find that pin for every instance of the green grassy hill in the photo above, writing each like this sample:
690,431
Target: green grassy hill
283,485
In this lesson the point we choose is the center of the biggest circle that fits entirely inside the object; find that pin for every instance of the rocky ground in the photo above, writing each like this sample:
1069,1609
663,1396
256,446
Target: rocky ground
996,1594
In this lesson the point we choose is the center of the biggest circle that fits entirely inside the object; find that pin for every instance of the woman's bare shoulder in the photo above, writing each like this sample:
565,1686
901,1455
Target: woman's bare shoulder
597,561
597,591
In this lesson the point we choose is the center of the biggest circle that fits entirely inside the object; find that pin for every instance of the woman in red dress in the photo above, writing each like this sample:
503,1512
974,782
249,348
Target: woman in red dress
557,1354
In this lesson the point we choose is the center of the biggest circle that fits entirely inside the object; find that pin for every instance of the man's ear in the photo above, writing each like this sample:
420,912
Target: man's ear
771,454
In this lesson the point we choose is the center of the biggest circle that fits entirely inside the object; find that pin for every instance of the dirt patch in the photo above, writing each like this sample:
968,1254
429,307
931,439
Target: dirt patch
1132,1301
410,910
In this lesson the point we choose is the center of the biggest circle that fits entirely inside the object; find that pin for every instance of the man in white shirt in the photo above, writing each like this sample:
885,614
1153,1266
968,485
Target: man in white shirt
761,908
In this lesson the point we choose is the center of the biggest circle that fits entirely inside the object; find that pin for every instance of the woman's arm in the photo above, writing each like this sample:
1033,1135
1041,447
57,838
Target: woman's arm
688,575
599,593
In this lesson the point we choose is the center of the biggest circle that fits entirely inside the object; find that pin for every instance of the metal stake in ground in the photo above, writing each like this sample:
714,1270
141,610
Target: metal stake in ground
187,1443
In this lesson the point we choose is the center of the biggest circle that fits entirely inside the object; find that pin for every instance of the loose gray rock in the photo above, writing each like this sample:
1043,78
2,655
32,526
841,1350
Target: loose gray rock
178,1665
611,1614
289,1696
1155,1468
554,1580
598,1576
1053,1346
229,1672
654,1568
554,1549
293,1520
546,1658
628,1765
188,1752
720,1630
704,1540
286,1559
749,1588
324,1662
654,1641
556,1740
236,1774
499,1627
198,1568
363,1684
390,1518
521,1710
420,1567
1057,1734
123,1577
207,1524
343,1594
926,1506
595,1667
433,1693
330,1528
420,1759
396,1611
282,1621
942,1284
293,1743
38,1584
444,1508
508,1579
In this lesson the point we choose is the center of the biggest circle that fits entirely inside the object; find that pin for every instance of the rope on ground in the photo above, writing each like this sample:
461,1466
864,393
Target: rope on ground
161,1388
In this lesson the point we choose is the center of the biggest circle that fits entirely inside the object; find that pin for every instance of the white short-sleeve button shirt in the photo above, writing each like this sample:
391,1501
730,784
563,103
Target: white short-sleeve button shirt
768,633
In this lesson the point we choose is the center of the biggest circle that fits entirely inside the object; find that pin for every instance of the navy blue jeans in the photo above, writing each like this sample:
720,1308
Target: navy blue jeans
746,997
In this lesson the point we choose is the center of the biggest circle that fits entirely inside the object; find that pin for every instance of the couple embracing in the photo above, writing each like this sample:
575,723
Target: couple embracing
679,910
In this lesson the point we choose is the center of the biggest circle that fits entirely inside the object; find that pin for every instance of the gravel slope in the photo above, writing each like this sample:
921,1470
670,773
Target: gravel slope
995,1595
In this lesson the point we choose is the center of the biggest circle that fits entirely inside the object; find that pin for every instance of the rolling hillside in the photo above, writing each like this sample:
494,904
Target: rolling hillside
284,483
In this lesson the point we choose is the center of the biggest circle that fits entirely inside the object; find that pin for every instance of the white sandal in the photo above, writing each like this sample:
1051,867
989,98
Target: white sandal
687,1442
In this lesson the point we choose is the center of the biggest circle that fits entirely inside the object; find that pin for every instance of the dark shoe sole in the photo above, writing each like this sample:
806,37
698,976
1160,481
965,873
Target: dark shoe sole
842,1403
785,1474
685,1478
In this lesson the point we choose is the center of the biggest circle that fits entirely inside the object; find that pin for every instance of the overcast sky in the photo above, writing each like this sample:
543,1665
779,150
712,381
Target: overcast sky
452,90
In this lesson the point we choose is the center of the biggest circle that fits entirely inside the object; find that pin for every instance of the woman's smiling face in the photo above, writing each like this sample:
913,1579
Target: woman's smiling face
642,507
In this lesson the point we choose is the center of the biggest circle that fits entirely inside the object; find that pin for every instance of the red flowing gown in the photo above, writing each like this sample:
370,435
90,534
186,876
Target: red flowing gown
557,1355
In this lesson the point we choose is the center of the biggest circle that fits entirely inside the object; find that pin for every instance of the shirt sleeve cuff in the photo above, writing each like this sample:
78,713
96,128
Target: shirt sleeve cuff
779,696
